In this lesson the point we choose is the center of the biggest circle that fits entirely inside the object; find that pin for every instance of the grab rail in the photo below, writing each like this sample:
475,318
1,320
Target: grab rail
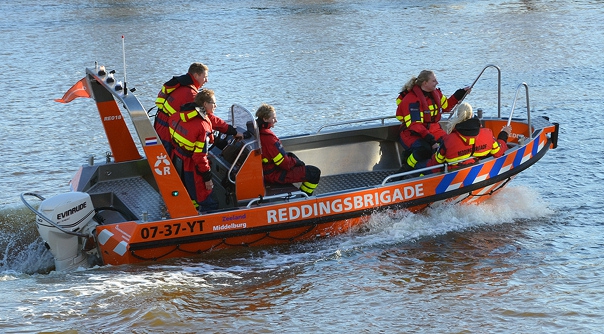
285,196
237,159
473,83
528,108
382,119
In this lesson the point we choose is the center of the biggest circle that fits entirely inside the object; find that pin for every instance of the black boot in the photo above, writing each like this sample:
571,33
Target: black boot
404,168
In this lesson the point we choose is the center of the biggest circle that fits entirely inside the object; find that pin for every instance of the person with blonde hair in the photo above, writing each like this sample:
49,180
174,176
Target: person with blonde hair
278,165
420,105
464,113
468,139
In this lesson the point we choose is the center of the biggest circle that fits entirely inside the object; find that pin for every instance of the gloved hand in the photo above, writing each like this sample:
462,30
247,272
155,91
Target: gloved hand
460,93
295,157
505,133
429,138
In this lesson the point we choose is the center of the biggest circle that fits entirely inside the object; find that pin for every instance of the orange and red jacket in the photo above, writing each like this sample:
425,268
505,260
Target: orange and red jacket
274,156
467,140
191,133
173,94
420,114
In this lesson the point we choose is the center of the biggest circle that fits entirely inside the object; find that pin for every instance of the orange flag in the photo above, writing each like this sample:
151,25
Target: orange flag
80,89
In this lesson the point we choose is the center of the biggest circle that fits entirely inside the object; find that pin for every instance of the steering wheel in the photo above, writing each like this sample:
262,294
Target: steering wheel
221,140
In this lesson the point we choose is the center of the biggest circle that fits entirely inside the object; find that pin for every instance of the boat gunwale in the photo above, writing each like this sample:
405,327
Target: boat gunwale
346,215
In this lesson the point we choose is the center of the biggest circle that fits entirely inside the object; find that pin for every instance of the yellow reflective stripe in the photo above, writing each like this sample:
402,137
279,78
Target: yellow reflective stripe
182,141
440,158
411,161
159,102
168,109
495,148
467,140
408,119
278,159
167,90
199,145
482,154
461,157
444,103
308,187
264,160
161,99
400,118
191,114
186,116
398,101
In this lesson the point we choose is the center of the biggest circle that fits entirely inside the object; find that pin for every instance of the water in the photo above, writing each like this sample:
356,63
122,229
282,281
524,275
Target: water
527,261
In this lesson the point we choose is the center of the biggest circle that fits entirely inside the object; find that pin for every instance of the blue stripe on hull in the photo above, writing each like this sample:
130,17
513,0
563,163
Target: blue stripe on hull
472,175
445,182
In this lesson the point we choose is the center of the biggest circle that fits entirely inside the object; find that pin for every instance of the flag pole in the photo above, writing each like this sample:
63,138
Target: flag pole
124,59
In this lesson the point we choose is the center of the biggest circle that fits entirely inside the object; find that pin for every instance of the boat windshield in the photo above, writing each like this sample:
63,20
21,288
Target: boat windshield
242,118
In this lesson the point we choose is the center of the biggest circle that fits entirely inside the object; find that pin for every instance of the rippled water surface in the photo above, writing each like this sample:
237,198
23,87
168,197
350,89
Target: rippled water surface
527,261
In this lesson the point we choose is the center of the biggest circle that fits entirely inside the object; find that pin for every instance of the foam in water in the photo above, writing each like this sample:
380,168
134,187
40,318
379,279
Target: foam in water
510,204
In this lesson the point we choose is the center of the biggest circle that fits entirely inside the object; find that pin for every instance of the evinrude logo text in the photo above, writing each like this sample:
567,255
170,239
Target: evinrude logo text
71,211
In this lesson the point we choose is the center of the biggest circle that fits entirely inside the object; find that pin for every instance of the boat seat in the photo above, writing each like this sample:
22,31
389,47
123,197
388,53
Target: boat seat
276,188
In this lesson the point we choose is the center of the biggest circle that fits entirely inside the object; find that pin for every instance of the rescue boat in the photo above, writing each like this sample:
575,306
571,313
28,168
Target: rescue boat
133,207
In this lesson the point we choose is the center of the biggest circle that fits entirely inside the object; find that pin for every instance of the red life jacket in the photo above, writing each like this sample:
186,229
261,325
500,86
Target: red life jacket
468,140
170,86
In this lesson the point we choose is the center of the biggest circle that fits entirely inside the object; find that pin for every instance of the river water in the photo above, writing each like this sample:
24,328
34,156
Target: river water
527,261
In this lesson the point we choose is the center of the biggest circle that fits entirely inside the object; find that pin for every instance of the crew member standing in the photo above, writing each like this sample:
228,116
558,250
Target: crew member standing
174,93
191,131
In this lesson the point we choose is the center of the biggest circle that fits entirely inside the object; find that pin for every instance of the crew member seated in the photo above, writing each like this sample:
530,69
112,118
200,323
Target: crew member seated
420,105
279,166
466,138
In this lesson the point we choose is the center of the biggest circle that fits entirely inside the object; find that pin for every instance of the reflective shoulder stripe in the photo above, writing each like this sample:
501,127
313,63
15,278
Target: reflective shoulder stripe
461,157
444,102
278,159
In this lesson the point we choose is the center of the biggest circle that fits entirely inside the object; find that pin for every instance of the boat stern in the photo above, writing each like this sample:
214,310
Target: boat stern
65,224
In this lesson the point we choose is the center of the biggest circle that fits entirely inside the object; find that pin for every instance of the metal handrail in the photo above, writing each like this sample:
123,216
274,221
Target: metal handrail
528,108
237,159
473,83
285,196
382,119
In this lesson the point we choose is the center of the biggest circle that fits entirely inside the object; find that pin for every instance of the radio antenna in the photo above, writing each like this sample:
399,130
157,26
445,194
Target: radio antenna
124,59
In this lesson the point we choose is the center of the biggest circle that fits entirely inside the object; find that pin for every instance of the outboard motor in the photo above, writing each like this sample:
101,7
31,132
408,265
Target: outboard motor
72,215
